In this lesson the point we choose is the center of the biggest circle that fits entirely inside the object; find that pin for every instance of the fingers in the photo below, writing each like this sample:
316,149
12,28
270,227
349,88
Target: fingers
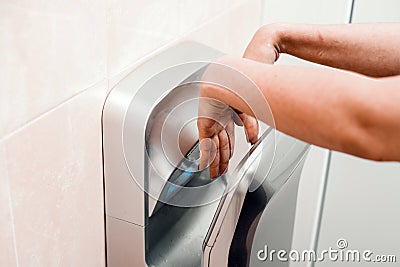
206,127
251,126
230,130
206,151
214,166
217,150
224,151
216,136
217,142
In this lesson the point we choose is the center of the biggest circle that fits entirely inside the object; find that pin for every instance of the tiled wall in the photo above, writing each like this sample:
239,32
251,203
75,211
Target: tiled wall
58,61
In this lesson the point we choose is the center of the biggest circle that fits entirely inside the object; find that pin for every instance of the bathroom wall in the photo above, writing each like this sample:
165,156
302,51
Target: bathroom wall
59,59
360,197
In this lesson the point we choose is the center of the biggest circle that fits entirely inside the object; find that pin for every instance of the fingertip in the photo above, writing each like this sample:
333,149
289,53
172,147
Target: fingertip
254,140
223,169
214,173
203,161
253,135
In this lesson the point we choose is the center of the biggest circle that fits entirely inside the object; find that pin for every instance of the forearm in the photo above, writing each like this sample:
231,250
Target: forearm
337,110
370,49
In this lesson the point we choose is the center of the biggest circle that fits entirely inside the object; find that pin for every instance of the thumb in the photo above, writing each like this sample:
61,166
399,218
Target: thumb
251,127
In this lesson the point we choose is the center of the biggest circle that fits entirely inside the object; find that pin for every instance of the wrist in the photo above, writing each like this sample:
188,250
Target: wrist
276,35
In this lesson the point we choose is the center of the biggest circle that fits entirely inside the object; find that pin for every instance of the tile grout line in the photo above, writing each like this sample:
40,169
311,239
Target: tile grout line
127,68
181,37
11,210
174,40
39,116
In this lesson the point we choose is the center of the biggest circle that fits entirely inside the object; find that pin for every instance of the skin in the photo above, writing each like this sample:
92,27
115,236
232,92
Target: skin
355,110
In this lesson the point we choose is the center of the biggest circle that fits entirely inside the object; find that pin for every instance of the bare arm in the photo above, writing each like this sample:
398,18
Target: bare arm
370,49
338,110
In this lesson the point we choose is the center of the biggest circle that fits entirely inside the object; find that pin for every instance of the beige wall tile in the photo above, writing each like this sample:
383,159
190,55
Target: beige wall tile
224,32
7,255
55,174
51,50
54,162
137,28
193,13
232,31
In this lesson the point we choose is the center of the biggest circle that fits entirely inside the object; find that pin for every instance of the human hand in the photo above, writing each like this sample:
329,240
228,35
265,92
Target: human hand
216,120
217,133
